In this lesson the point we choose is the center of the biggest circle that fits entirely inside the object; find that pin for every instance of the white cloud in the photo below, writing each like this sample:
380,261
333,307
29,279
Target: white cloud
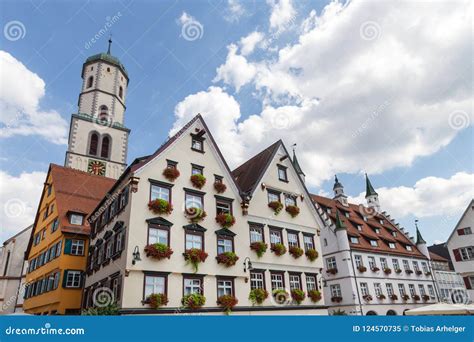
236,70
20,113
430,196
380,87
19,198
234,11
248,43
282,14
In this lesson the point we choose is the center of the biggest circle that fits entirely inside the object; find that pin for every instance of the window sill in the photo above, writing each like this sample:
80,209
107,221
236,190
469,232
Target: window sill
196,150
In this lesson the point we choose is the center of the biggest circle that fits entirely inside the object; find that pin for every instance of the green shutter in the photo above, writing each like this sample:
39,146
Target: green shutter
65,278
67,246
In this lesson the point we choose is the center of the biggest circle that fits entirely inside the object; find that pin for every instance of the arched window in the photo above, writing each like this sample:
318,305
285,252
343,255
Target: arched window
391,313
94,143
90,80
104,151
371,313
121,92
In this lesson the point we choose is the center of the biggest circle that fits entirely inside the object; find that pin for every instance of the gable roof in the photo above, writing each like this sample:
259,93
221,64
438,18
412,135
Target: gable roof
368,229
440,252
471,205
249,174
75,191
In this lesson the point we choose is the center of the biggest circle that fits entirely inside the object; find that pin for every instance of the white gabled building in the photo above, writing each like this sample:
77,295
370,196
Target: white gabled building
372,267
140,248
461,248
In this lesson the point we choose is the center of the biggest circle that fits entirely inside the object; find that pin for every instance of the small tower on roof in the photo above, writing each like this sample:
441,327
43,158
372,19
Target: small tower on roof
339,192
371,195
420,242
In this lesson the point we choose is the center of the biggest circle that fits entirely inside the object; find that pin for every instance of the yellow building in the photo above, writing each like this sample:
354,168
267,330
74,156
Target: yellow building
57,250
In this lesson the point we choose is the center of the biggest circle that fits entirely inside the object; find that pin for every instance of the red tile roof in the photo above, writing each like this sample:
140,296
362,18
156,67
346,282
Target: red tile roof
368,229
437,257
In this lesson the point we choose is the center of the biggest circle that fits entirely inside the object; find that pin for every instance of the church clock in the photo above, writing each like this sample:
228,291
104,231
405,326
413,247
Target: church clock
96,167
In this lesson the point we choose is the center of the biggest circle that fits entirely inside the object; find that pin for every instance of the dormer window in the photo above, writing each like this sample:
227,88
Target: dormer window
359,227
366,219
381,221
282,175
394,234
377,230
354,240
408,247
76,219
391,245
373,243
328,210
346,214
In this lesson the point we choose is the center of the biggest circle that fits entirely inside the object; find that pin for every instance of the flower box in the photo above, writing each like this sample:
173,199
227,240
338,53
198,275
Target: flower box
331,270
157,300
195,256
198,180
375,269
336,299
427,273
158,251
387,270
367,297
278,248
160,206
381,297
227,302
408,271
312,254
259,247
425,298
220,187
193,301
227,258
296,252
257,296
398,270
298,295
195,215
393,297
416,297
293,210
362,268
225,220
171,173
314,295
280,296
276,206
418,272
405,297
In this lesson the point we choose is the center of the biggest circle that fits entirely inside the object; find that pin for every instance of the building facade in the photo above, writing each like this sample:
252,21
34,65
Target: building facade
58,243
13,268
461,249
98,139
372,267
449,284
173,236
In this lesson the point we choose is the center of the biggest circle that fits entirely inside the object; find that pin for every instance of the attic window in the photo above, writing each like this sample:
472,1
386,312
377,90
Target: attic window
373,243
328,210
346,214
359,227
76,219
197,143
408,247
394,234
171,164
391,245
365,218
377,230
282,175
381,221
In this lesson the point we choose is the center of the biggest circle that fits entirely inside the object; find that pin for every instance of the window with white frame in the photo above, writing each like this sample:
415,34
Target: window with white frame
372,263
424,266
193,201
256,280
77,247
406,265
378,289
431,290
421,289
392,245
293,239
374,243
311,282
224,287
394,233
282,173
336,290
408,247
157,235
354,240
396,265
359,227
223,206
467,253
73,279
277,281
256,233
193,241
290,200
358,260
389,288
416,267
308,242
383,263
273,196
364,289
154,284
295,282
411,288
224,245
160,192
331,263
197,170
76,219
192,285
401,289
275,236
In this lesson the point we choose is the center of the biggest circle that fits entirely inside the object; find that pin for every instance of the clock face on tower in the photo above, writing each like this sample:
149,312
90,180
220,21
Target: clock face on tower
96,167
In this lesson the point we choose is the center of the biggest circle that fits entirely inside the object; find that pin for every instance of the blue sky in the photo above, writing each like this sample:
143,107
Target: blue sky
391,113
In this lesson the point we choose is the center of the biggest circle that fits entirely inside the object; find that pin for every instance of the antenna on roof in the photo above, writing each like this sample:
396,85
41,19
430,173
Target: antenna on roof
110,43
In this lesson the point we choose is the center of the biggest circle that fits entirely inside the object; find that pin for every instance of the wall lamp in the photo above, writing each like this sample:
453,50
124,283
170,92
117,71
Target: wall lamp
247,264
136,256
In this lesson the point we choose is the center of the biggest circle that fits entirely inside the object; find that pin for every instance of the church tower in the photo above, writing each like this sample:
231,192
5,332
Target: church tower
98,139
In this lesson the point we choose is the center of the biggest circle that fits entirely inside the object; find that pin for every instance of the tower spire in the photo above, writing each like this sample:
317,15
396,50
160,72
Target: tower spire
419,238
369,189
110,44
296,165
371,195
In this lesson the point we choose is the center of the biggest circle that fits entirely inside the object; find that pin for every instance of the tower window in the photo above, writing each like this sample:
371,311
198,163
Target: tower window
108,69
103,114
104,151
94,144
121,92
90,80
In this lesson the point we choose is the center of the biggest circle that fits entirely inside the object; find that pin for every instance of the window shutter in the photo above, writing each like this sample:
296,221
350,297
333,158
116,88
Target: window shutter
467,283
460,231
67,246
65,277
457,254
